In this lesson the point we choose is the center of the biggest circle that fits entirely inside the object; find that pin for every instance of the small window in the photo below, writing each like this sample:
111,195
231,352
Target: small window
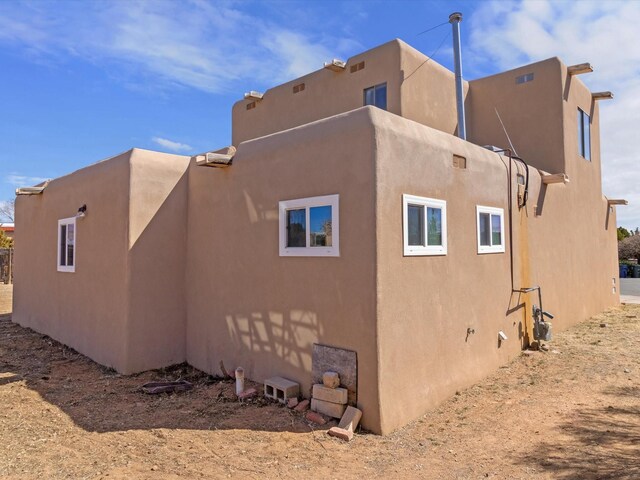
527,77
357,67
309,227
490,230
459,162
67,245
298,88
424,226
376,96
251,105
584,135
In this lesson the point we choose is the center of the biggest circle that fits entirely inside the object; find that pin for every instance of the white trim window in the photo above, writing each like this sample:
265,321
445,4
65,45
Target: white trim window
490,223
310,227
67,245
424,225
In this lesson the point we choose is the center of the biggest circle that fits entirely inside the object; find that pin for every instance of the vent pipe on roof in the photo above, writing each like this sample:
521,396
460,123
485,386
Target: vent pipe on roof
455,19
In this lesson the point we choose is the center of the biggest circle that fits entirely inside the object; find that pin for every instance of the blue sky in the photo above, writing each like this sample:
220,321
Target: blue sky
82,81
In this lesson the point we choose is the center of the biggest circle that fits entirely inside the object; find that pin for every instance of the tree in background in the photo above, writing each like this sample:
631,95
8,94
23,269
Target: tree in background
629,248
5,242
7,211
623,233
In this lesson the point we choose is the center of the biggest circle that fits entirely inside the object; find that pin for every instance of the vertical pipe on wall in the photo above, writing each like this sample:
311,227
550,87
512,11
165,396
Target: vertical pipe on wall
455,19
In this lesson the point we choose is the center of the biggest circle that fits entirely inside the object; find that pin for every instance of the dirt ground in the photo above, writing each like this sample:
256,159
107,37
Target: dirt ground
571,413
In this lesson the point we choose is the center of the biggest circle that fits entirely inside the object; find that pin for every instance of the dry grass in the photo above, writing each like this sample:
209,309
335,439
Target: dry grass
571,414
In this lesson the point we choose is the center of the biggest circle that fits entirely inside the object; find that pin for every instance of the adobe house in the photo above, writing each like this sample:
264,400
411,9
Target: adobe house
347,214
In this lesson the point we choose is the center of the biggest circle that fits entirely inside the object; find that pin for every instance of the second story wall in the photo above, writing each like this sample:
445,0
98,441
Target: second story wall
428,91
326,93
529,101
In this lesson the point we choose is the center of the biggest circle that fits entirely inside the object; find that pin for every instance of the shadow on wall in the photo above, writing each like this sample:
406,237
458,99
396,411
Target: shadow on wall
609,437
259,337
97,399
157,314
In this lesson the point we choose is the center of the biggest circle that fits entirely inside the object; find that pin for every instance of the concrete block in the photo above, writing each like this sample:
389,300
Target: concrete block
350,419
316,418
343,362
341,433
302,406
281,389
248,393
331,379
334,410
333,395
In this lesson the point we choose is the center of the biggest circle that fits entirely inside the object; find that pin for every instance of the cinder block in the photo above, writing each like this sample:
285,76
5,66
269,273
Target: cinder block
341,433
331,379
280,389
333,395
334,410
350,419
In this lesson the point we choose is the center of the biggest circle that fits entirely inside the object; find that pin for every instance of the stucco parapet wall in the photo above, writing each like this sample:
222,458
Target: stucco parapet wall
326,93
375,119
360,118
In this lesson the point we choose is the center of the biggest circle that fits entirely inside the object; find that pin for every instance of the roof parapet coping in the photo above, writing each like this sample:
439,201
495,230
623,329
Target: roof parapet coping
580,68
32,190
617,201
217,159
254,95
602,95
336,65
551,178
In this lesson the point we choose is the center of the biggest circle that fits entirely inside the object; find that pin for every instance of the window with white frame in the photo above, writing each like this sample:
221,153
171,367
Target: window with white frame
490,229
67,245
309,227
424,225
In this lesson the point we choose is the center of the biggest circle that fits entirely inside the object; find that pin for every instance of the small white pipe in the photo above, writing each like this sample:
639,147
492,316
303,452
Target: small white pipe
239,380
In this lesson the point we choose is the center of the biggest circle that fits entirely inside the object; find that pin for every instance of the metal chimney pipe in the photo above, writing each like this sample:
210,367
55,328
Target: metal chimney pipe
455,19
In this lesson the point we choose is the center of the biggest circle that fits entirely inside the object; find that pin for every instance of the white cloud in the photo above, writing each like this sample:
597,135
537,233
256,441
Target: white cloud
171,145
504,35
18,180
208,46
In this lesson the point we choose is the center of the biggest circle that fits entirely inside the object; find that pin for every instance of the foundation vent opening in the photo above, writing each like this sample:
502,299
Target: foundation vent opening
298,88
357,67
527,77
459,162
251,105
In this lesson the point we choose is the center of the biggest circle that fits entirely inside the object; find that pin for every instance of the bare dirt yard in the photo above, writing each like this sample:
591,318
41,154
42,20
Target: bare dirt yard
570,413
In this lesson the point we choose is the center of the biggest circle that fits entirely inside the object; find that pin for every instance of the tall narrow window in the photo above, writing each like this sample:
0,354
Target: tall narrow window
584,135
490,229
309,227
376,96
67,245
424,225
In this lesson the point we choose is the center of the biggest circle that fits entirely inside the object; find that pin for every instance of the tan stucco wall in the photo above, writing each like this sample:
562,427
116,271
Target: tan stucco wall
425,304
249,307
326,93
418,88
87,309
532,113
157,256
176,261
124,304
428,91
